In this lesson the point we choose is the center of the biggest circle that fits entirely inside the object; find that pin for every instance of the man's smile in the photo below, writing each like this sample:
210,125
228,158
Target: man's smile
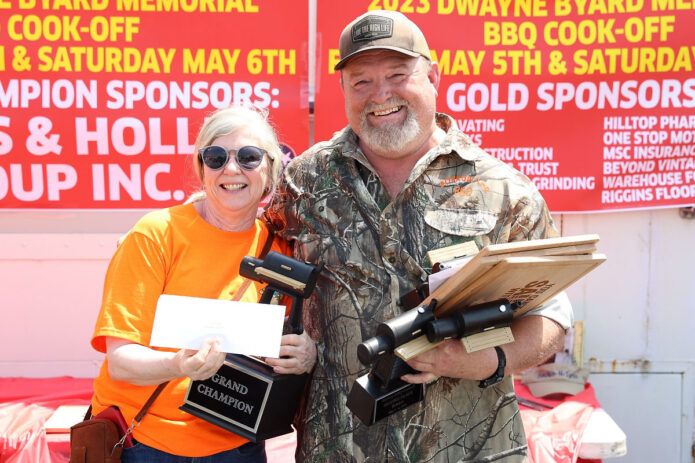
386,111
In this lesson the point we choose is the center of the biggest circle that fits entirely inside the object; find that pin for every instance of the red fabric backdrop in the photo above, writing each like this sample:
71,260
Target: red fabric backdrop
100,104
594,104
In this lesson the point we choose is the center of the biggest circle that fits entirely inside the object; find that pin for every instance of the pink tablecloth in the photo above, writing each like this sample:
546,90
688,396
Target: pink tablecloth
555,435
26,404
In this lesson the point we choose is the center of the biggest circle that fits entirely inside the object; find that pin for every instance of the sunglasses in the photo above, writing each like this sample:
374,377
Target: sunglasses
247,157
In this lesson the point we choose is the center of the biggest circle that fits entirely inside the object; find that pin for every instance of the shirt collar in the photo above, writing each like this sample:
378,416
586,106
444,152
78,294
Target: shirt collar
456,142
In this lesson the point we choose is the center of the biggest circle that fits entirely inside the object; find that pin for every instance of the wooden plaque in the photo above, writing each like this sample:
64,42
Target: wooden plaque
530,272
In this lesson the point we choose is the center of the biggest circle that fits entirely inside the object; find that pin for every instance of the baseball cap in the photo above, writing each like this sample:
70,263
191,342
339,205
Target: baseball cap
382,30
555,378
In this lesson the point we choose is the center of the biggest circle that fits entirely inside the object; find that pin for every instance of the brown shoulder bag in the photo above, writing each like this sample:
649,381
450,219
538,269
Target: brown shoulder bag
101,438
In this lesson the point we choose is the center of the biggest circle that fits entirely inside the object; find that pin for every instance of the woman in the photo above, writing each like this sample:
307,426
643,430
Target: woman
190,250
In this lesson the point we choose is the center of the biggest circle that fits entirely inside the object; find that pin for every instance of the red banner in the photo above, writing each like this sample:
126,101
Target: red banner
593,100
101,100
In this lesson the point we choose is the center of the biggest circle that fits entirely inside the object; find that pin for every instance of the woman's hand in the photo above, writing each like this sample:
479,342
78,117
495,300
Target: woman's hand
142,366
297,355
200,364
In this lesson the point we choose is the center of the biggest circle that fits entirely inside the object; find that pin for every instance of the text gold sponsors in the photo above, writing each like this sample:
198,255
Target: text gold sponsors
556,96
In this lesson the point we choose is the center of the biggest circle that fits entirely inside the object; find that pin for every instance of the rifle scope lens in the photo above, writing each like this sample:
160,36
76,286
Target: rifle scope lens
368,351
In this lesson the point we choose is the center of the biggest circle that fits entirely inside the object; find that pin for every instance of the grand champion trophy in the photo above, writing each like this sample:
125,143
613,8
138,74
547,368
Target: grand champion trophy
246,396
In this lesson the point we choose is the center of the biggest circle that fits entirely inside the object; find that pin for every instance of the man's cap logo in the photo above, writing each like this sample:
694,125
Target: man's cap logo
372,28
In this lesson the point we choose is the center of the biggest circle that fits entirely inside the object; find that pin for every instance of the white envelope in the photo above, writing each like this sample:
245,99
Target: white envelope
184,322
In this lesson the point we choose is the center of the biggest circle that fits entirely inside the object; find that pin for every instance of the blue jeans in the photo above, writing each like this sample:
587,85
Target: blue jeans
247,453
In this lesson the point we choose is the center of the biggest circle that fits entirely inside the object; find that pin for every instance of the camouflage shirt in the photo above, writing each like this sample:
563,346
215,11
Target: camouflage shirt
333,209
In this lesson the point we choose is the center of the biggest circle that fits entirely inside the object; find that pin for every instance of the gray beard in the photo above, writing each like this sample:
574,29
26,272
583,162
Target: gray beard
392,137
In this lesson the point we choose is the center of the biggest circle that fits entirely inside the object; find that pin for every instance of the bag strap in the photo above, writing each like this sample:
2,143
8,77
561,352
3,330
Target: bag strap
266,248
143,410
268,241
148,404
141,414
88,414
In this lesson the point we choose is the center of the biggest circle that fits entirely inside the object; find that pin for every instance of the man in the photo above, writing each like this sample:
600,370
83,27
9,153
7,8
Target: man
369,204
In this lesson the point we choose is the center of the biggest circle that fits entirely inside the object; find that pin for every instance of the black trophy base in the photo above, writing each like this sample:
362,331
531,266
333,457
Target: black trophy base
371,403
246,397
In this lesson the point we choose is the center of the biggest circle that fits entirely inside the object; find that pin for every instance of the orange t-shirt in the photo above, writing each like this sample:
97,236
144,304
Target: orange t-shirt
170,251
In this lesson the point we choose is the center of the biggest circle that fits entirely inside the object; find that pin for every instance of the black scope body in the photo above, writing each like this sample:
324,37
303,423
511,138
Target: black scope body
283,272
472,320
395,332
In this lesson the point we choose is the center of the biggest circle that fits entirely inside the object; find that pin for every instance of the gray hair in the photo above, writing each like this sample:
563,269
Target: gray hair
228,120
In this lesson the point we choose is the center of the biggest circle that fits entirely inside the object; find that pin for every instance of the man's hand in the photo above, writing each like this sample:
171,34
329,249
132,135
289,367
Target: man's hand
297,355
451,359
536,339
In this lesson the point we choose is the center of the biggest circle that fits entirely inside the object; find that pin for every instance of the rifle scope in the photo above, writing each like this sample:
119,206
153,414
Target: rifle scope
395,332
472,320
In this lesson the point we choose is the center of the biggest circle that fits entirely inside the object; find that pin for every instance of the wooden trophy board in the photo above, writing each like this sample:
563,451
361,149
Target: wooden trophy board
530,272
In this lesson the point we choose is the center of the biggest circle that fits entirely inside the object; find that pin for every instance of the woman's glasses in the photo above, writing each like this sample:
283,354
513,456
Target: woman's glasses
247,157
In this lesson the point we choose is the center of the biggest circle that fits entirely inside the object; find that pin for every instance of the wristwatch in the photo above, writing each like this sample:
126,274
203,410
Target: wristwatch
498,375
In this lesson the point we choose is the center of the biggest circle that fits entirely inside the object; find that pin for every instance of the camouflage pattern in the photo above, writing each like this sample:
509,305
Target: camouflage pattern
332,207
